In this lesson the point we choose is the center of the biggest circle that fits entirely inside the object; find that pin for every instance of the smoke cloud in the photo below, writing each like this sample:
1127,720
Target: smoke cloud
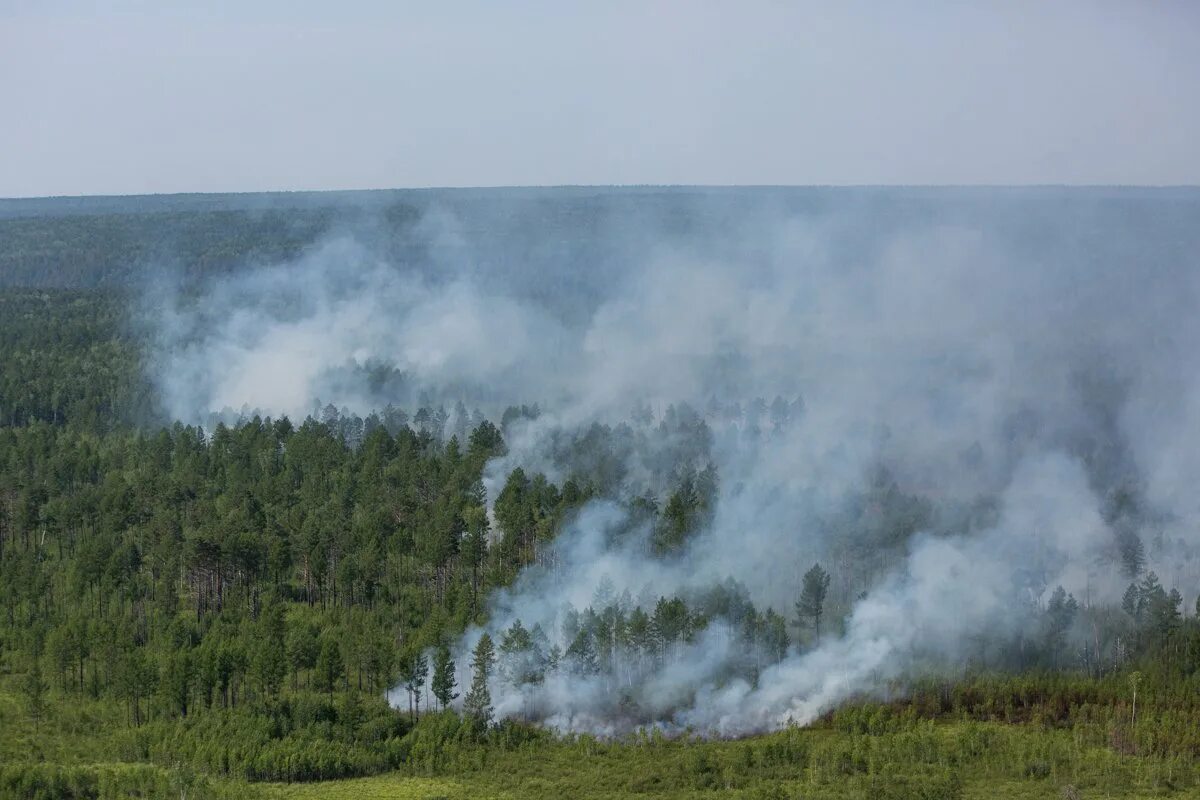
955,401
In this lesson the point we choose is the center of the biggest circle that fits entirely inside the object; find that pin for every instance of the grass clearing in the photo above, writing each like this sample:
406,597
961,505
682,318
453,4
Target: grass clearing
85,749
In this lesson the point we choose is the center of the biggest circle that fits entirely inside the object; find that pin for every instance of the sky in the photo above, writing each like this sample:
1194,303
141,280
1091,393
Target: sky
127,96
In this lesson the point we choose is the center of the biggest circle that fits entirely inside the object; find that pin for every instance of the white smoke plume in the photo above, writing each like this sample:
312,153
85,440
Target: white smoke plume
1006,363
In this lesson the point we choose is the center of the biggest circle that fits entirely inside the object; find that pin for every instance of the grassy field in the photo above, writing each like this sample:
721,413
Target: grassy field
714,770
928,761
932,761
87,749
393,787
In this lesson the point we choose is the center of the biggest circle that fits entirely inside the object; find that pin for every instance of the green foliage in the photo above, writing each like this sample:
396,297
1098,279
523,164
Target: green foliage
414,669
112,782
331,668
443,677
811,604
477,704
228,605
114,249
70,357
33,690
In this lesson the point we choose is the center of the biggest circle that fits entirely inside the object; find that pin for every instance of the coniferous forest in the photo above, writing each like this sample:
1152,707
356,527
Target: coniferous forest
340,599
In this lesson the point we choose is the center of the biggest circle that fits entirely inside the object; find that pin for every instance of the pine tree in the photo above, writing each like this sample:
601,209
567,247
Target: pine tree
1060,614
135,678
811,604
33,689
1132,553
516,664
582,654
443,677
1131,602
475,548
775,637
330,667
177,679
478,702
303,648
413,671
270,661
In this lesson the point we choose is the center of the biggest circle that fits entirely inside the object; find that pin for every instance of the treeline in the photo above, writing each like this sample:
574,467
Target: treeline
122,249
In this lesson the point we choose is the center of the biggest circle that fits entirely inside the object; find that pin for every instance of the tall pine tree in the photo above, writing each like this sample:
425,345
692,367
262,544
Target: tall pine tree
478,702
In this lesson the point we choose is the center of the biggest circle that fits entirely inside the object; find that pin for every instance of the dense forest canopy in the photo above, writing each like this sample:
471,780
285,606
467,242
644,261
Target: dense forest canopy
610,461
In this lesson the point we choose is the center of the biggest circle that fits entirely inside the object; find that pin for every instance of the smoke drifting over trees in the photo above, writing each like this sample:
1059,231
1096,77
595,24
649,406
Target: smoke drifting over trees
954,402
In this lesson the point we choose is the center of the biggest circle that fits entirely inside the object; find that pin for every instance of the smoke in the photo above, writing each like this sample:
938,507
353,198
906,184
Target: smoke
339,326
957,390
947,590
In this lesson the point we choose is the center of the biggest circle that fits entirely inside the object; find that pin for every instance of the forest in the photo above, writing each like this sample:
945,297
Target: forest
344,600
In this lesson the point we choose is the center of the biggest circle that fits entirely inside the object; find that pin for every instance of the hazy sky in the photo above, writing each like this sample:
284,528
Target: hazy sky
127,97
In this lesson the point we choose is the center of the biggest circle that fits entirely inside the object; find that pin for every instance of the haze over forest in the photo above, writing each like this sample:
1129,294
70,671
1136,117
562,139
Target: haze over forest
768,401
961,405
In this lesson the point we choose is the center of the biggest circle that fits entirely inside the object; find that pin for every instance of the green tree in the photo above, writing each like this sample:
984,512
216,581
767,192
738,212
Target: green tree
478,701
178,676
680,516
475,549
671,622
1060,614
1132,553
443,676
581,654
134,680
330,667
775,637
33,690
303,647
414,669
270,663
811,605
516,662
485,442
1131,602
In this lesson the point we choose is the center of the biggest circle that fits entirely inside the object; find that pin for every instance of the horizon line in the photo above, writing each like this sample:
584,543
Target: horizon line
564,186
